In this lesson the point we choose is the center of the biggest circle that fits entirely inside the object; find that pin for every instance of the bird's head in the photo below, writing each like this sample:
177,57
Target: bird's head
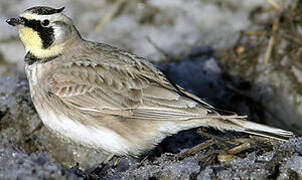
44,31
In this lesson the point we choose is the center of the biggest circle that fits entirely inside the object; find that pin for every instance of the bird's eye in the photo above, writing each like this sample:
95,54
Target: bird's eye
45,23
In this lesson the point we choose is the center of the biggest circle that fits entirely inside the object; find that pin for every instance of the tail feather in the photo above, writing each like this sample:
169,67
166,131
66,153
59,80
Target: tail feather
257,129
240,124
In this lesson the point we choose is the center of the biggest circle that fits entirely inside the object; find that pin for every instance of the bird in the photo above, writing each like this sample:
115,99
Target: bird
107,98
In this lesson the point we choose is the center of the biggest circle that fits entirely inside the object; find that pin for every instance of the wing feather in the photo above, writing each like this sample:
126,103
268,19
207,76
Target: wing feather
140,92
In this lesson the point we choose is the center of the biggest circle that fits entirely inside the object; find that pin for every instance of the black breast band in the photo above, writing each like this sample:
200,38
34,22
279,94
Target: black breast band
31,59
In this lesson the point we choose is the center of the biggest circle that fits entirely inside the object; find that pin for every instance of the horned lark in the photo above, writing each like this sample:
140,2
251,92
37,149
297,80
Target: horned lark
107,98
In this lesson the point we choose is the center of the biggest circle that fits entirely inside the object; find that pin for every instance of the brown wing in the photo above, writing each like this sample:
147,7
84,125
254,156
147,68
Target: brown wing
135,91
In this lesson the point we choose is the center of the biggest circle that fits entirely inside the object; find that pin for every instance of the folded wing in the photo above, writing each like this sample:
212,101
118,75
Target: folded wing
136,91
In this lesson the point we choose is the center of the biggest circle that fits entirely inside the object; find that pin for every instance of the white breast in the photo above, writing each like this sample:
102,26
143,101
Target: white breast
34,72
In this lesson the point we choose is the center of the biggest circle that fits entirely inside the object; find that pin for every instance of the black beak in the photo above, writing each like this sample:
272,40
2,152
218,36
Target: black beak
15,21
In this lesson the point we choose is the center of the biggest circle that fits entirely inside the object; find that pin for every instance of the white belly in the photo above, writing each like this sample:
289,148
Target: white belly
94,137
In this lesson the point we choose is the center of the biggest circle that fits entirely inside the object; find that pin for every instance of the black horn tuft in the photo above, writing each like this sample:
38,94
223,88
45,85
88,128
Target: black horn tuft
60,9
44,10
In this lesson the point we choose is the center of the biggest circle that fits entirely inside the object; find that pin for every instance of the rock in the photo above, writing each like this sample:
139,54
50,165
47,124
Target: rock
18,165
163,168
280,162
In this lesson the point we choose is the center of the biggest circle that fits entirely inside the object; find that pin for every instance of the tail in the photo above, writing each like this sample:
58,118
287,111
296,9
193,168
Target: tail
236,123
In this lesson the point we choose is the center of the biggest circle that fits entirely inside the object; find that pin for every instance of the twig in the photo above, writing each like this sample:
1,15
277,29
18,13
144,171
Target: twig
196,149
274,4
164,53
239,148
107,18
276,23
225,157
271,41
223,142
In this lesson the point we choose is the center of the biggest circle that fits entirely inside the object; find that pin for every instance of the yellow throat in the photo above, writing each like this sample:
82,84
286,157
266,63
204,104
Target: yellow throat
33,43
